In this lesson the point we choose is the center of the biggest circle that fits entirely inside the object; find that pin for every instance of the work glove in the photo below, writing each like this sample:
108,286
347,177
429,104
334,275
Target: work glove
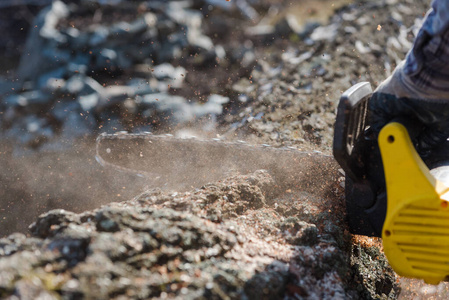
398,98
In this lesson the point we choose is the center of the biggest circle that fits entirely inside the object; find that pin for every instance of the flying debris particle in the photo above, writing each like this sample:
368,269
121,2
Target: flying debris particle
379,27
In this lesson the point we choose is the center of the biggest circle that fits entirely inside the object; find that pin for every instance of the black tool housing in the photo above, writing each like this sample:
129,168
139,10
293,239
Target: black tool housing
356,150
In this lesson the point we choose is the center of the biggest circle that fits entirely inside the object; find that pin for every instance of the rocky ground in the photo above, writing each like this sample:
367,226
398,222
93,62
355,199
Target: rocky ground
227,240
253,70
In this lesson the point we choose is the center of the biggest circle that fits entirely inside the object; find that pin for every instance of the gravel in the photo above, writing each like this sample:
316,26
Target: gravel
249,70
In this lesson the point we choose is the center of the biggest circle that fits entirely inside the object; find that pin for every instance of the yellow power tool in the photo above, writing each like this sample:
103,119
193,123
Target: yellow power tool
392,192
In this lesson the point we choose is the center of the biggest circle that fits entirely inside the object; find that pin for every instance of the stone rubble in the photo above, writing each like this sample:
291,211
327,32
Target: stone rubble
64,67
226,240
101,65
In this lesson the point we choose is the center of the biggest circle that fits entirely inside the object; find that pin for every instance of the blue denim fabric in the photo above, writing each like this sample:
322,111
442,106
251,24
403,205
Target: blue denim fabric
427,63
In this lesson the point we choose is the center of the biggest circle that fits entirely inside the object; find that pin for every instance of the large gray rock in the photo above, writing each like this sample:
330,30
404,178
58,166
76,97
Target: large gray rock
38,57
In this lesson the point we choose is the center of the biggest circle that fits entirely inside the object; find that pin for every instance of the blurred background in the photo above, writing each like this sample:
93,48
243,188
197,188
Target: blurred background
267,71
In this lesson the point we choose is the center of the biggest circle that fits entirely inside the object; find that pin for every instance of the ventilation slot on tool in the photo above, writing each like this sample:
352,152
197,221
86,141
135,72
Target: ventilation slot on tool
417,224
356,124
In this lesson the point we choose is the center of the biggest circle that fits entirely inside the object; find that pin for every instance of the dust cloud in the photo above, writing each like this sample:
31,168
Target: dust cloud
73,180
34,183
183,164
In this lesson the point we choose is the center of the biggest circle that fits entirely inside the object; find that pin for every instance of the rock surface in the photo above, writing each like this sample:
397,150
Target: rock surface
252,70
228,240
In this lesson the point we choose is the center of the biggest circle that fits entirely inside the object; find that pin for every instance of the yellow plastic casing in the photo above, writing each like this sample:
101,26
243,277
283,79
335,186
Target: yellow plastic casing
416,229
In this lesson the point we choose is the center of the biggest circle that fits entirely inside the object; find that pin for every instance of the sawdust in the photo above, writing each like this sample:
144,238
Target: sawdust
367,242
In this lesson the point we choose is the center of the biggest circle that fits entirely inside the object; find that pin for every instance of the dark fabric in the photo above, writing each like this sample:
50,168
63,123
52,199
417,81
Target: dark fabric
430,119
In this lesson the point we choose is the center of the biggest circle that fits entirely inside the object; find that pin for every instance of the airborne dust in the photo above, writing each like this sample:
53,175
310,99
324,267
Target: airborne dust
282,88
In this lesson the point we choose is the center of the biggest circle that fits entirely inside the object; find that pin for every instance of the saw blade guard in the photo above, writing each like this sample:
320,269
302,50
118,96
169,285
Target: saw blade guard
355,149
350,126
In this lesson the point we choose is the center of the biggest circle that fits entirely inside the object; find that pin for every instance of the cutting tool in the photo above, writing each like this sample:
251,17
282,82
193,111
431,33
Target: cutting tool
392,192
